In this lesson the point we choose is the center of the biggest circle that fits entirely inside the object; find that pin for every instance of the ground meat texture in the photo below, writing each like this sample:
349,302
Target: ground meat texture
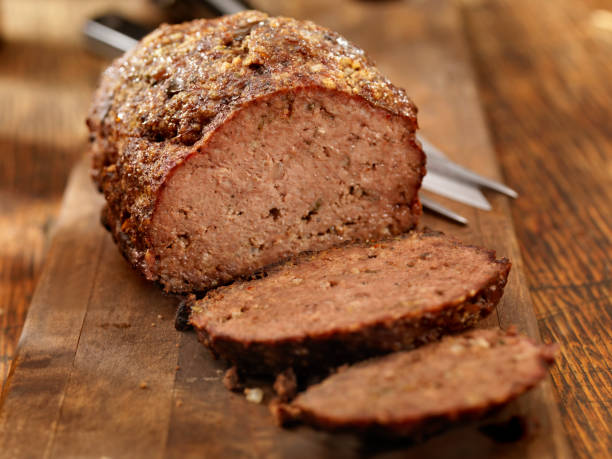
405,393
346,303
226,145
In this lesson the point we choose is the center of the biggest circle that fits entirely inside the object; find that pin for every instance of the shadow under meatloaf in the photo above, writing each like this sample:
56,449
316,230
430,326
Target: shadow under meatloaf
419,392
347,303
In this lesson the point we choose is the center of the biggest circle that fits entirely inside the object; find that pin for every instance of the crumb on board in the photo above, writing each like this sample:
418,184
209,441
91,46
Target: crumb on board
254,395
143,385
284,414
179,403
160,317
285,385
231,380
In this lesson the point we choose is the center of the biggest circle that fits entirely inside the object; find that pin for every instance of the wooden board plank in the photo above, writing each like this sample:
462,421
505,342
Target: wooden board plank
52,330
550,112
89,340
123,370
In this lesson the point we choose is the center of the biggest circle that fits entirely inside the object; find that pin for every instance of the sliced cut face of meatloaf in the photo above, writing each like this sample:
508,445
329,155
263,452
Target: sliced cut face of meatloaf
226,145
461,377
347,303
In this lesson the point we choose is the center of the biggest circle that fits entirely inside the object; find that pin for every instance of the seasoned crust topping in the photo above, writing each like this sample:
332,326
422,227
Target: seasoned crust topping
222,63
160,102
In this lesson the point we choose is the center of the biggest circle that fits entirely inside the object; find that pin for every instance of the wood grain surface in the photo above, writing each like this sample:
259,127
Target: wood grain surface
543,74
113,388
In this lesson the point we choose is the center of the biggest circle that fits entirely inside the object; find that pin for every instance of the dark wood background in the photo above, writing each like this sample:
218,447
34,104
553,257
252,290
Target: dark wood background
545,81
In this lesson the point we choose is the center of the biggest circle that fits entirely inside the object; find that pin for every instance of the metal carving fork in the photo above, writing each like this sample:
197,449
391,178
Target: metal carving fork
112,35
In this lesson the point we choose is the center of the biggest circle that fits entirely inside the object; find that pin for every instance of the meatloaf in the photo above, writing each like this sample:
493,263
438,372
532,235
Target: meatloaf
347,303
225,145
461,377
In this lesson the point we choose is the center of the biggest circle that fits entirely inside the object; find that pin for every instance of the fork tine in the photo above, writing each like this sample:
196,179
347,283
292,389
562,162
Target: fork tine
440,209
454,189
437,161
448,168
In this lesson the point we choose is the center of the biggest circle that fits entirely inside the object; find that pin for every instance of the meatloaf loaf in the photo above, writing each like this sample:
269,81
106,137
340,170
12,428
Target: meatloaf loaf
461,377
225,145
347,303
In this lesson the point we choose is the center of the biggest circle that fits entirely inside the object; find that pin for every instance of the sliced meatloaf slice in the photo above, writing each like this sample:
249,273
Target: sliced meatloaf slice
346,303
461,377
226,145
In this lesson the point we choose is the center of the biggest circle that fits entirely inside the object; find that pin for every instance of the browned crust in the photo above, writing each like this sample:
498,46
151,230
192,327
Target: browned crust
146,121
420,426
321,352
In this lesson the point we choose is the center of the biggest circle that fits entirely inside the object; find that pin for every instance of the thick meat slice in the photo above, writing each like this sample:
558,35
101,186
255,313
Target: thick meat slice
226,145
346,303
461,377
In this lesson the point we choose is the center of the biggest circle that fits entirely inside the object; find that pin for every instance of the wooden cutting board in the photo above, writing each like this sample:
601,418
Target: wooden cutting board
101,372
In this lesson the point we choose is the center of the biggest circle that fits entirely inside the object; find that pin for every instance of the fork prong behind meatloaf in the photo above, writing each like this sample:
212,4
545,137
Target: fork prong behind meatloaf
226,145
348,303
462,377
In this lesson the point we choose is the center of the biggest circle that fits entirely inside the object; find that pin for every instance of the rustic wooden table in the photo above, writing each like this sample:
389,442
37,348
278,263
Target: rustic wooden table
545,81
